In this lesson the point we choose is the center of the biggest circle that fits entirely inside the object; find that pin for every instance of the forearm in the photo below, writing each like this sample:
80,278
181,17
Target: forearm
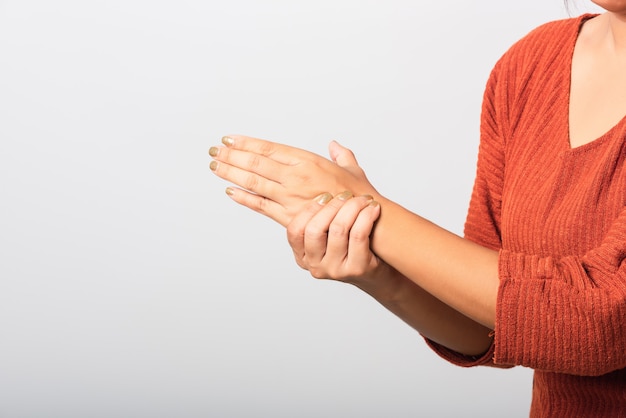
427,314
456,271
280,180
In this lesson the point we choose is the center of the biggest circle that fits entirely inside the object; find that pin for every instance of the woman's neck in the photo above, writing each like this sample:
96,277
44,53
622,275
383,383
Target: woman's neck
607,32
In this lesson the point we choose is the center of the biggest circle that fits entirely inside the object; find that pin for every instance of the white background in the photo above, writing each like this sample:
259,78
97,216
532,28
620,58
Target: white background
131,286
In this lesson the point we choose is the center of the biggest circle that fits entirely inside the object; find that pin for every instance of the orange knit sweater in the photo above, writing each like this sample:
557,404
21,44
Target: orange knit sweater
558,217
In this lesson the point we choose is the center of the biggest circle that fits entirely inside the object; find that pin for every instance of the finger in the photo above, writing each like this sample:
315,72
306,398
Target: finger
281,153
296,228
248,161
258,204
247,180
267,177
316,232
359,251
250,171
340,230
341,155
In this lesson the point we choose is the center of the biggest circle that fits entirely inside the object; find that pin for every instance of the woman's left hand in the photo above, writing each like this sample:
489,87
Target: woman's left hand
330,238
278,180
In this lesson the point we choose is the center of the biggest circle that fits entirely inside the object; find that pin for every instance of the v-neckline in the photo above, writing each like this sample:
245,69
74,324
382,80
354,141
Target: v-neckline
609,133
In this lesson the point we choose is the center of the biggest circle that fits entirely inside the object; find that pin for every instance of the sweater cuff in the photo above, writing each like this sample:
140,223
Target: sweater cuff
459,359
518,317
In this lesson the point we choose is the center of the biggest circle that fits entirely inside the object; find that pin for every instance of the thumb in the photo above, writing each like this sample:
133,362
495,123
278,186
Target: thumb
342,156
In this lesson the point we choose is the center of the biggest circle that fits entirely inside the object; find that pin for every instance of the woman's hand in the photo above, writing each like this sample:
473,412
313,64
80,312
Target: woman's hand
278,180
330,238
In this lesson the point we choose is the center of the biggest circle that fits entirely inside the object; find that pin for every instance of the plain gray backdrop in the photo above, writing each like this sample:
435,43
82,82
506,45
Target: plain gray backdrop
131,286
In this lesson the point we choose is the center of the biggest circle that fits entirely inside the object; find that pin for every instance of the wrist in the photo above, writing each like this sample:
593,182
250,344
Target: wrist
385,285
387,209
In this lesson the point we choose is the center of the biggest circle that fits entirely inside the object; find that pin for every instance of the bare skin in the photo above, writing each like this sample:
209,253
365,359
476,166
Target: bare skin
441,284
333,242
598,84
275,178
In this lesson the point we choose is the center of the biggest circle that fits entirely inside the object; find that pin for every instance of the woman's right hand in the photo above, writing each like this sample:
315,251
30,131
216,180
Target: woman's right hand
330,238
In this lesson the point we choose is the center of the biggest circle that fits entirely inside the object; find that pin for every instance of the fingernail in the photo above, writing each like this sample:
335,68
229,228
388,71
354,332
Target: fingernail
368,196
344,195
230,191
324,198
213,165
213,151
228,141
374,204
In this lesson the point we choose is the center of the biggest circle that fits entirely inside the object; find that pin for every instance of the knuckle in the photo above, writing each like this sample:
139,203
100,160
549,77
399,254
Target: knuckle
313,231
318,273
358,236
338,230
358,271
267,148
254,162
301,263
261,205
335,274
294,235
304,171
251,181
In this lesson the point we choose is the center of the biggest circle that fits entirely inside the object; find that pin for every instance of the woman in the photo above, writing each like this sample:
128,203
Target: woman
538,279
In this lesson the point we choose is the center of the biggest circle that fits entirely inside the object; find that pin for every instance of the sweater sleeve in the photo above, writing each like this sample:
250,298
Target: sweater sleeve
558,314
567,314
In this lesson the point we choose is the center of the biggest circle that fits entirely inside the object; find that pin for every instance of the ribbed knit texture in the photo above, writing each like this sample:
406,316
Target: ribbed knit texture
557,215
